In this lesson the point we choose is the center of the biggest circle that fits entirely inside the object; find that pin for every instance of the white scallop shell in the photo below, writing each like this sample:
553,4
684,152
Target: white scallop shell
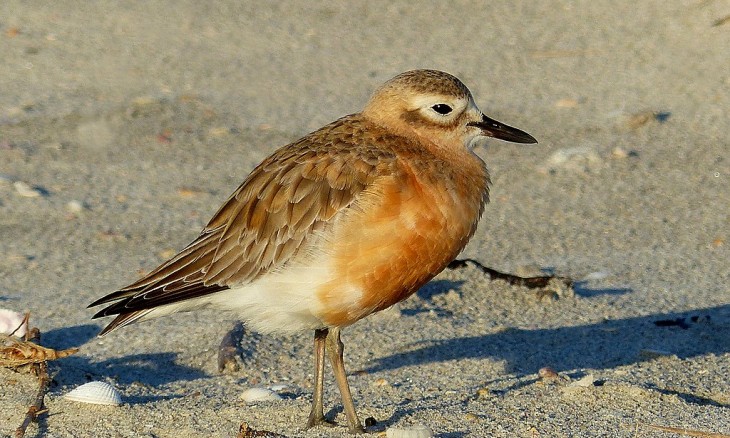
416,431
252,395
11,320
98,393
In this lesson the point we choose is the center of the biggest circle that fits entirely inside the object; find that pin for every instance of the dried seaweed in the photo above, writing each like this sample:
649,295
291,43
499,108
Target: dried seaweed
245,431
27,355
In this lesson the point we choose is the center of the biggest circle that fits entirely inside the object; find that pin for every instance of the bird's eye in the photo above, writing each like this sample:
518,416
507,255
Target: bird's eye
442,108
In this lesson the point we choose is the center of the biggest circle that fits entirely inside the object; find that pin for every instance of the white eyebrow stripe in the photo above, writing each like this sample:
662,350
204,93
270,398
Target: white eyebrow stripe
426,101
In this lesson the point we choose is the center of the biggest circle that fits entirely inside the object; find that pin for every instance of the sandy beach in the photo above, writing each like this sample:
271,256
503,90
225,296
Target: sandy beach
124,126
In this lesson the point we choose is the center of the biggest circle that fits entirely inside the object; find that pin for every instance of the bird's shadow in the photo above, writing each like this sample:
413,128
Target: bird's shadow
606,344
70,337
426,295
440,287
602,345
437,287
153,369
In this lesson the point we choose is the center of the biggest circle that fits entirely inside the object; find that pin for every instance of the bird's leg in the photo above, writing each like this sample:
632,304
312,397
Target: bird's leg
335,349
316,416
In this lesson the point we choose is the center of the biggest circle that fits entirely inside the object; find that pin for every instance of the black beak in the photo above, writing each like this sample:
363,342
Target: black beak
493,128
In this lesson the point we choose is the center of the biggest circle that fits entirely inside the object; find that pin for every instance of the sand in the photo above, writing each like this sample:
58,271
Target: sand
130,123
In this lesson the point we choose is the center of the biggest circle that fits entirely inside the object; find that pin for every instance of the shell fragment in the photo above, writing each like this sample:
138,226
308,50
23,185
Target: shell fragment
97,393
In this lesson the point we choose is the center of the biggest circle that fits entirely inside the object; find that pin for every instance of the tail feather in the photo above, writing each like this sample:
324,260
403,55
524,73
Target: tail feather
179,279
124,319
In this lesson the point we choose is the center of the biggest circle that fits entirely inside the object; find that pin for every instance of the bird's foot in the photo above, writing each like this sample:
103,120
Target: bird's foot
316,420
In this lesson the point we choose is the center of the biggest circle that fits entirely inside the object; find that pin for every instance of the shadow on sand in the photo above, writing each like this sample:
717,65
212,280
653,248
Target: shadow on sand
611,343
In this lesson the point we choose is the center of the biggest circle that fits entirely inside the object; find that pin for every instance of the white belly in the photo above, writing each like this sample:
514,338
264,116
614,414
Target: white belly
283,302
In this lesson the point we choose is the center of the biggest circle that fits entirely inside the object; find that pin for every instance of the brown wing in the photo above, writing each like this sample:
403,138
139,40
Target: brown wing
263,226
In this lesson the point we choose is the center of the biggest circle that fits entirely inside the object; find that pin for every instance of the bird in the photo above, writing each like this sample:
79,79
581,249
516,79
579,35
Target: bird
342,223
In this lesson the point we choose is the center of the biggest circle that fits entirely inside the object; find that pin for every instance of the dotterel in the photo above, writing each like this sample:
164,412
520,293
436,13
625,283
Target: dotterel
342,223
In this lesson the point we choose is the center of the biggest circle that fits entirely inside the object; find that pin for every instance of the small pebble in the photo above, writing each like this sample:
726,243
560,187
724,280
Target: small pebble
189,192
278,388
547,373
75,206
598,275
579,158
566,103
145,106
619,152
471,417
381,382
637,120
452,296
483,392
219,131
166,253
701,319
25,190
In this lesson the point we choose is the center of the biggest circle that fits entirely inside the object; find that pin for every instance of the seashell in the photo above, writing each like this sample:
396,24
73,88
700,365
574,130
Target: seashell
97,393
416,431
252,395
585,381
11,320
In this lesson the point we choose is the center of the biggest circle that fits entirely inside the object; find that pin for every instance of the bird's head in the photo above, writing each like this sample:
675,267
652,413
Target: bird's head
436,107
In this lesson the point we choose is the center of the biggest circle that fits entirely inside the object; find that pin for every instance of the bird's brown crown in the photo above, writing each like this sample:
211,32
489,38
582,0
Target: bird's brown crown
426,82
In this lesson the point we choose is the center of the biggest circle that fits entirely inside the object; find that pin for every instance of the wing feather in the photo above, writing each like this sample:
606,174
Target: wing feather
263,226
